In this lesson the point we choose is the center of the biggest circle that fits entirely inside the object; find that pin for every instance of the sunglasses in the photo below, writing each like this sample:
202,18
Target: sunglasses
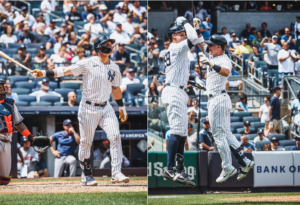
206,123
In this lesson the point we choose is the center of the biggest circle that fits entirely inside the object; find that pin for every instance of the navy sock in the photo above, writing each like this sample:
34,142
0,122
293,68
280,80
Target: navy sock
181,144
173,143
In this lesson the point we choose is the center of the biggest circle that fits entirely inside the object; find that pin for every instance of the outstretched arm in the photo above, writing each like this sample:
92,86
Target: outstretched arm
21,127
57,72
117,94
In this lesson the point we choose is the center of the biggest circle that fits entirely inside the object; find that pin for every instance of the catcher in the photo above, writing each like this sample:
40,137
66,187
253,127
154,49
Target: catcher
10,119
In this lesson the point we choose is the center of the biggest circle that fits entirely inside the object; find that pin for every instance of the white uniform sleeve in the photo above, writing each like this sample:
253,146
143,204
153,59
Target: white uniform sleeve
117,80
80,68
192,34
17,116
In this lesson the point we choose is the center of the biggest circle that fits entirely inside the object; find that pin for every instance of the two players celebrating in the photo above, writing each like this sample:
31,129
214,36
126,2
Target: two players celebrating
183,37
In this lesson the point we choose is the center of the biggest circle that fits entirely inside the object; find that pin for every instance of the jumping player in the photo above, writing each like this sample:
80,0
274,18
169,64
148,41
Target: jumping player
219,106
101,77
10,119
183,37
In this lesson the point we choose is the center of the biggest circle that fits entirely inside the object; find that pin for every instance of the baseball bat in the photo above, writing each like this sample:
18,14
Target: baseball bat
14,61
161,73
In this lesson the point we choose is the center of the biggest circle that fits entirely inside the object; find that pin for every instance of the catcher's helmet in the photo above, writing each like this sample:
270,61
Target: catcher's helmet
175,29
99,48
217,40
2,89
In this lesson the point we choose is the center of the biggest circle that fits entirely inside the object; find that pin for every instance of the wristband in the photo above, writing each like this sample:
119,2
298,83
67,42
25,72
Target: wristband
217,68
198,32
26,133
49,73
119,102
60,72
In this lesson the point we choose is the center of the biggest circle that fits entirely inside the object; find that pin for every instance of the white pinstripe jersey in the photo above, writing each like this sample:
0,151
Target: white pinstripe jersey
177,63
98,78
215,82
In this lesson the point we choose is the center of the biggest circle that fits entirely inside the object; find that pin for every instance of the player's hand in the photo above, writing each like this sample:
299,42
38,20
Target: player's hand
123,114
180,21
30,138
196,23
37,73
56,153
200,84
205,60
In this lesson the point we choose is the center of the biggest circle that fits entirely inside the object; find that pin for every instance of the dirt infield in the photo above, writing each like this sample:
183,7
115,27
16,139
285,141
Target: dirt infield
266,198
71,187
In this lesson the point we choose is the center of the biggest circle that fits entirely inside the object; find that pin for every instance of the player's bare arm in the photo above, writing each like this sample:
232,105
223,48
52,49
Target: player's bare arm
57,72
197,23
117,94
24,130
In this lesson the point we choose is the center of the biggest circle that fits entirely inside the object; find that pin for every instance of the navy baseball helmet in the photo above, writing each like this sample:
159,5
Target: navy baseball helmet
217,40
99,48
175,29
2,89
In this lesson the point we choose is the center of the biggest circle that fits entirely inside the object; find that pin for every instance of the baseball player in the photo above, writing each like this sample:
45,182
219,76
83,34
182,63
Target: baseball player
10,119
183,37
101,77
219,106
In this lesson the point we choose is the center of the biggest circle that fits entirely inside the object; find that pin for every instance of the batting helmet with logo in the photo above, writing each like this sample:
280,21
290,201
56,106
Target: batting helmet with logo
175,29
217,40
99,48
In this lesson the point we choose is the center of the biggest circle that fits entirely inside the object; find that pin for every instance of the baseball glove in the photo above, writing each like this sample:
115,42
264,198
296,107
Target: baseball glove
41,143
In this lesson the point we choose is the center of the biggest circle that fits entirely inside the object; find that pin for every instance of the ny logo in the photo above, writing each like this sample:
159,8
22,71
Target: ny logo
111,76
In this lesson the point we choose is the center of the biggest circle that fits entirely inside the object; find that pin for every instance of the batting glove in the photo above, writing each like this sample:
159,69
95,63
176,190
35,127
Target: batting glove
200,84
180,21
205,60
196,23
123,114
37,73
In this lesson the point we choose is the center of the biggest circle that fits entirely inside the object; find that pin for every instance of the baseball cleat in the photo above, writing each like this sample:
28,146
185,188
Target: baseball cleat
88,181
244,170
225,175
180,178
120,178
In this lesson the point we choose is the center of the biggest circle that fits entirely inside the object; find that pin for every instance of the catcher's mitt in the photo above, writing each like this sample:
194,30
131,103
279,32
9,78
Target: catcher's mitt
41,143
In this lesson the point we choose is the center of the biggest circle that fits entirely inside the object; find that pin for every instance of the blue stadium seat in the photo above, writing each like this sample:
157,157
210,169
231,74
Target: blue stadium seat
10,51
14,45
242,114
278,136
58,104
38,79
64,92
132,91
27,98
35,11
2,77
79,92
288,148
20,91
49,51
238,130
42,104
236,125
80,32
251,136
251,119
287,143
21,103
273,79
260,144
244,57
258,125
238,136
50,98
16,78
78,99
53,85
164,117
70,85
192,65
234,119
27,85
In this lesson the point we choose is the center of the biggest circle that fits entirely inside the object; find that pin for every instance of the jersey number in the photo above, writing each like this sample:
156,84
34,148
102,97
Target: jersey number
167,59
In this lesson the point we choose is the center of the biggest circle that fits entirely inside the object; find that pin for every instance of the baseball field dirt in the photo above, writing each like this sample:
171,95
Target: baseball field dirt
266,198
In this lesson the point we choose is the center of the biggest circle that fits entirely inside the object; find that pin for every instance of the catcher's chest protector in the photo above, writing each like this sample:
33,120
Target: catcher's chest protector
7,124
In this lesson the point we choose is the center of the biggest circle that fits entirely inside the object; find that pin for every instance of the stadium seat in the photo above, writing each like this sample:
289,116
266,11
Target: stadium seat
27,85
3,77
287,143
260,144
244,57
42,104
238,136
21,103
273,79
251,136
278,136
64,92
238,130
58,104
36,80
49,51
50,98
258,125
78,99
242,114
27,98
70,85
288,148
234,119
79,92
251,119
132,91
53,85
14,45
192,65
80,32
236,125
20,91
35,11
16,78
164,117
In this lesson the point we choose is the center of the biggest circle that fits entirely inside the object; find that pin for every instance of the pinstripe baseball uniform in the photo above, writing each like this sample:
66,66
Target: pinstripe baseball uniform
175,98
219,107
98,80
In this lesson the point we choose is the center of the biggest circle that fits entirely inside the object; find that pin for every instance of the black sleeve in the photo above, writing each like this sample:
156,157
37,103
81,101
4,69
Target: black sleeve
192,77
190,44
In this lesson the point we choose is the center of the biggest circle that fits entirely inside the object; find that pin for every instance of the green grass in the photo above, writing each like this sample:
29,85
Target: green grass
214,199
70,179
130,198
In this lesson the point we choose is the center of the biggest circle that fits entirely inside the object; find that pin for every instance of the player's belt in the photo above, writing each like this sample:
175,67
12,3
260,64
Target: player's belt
174,85
211,95
97,104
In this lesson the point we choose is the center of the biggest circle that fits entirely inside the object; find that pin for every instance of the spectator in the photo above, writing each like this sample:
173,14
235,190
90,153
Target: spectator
195,107
151,92
257,40
234,83
154,33
129,4
297,65
297,146
274,145
73,16
67,6
128,24
138,10
295,104
2,6
137,37
274,109
39,19
22,57
121,56
27,17
162,55
153,54
164,6
197,71
252,35
250,5
267,147
260,136
31,159
3,26
192,140
247,130
51,29
206,138
60,41
297,122
26,36
269,128
273,49
80,55
154,79
244,48
100,153
189,14
119,17
192,117
8,36
72,100
234,43
59,58
67,141
245,33
248,147
10,94
72,41
192,55
297,31
255,56
201,13
19,23
220,6
49,5
226,35
106,162
41,57
119,35
88,10
144,25
88,48
63,31
53,40
42,168
40,34
266,6
10,13
206,27
44,91
102,11
129,79
264,110
264,32
242,105
108,26
91,27
289,38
